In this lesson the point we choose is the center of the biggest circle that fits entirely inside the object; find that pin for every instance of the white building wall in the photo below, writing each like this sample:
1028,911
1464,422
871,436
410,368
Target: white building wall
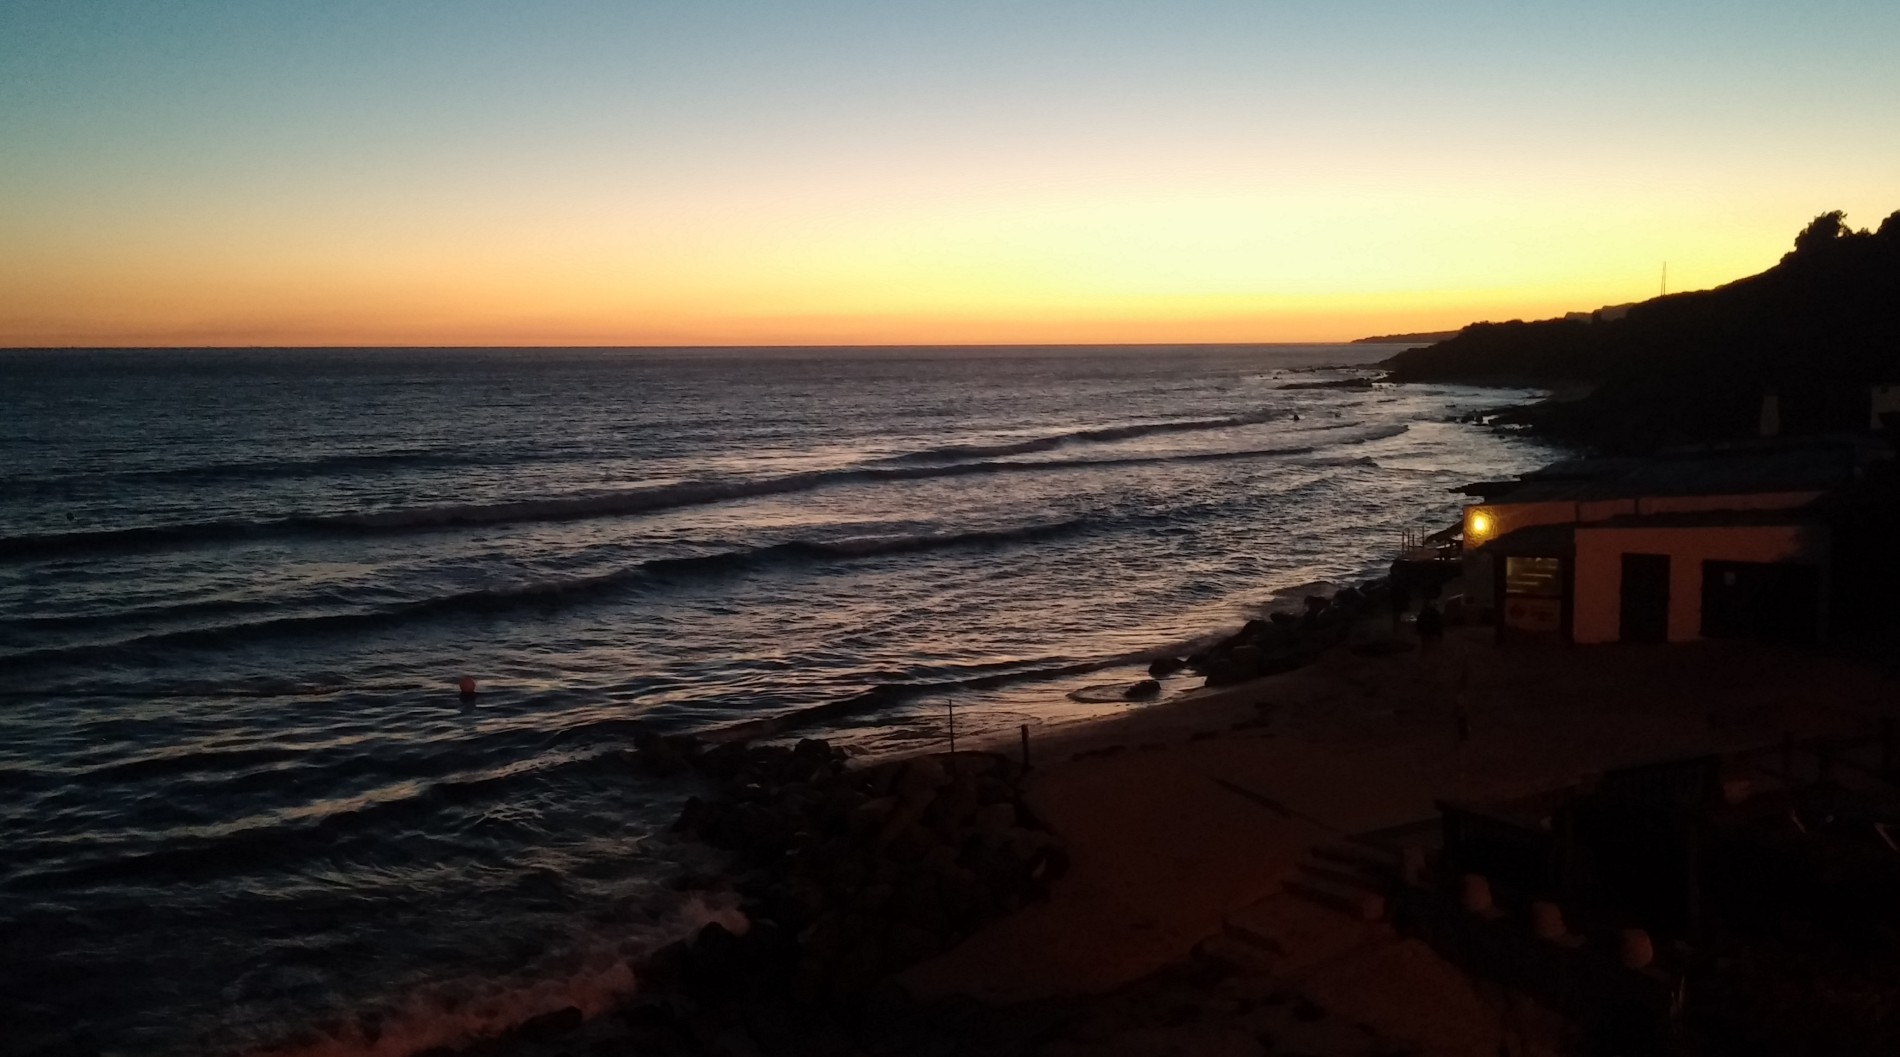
1596,615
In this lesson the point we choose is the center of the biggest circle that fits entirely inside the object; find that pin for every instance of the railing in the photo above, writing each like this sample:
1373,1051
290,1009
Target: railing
1419,545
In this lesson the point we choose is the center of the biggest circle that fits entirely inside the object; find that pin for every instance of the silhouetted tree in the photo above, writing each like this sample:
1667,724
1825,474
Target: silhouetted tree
1822,232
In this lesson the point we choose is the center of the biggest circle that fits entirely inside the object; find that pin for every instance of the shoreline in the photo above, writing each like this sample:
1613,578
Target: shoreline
1179,817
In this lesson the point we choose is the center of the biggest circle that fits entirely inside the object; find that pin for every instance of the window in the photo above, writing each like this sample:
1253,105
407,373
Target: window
1535,577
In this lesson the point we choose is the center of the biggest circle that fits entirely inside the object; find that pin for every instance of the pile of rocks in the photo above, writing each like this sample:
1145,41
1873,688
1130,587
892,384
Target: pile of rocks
846,875
1284,641
854,873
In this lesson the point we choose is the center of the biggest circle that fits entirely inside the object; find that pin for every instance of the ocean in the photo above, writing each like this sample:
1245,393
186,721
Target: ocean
246,809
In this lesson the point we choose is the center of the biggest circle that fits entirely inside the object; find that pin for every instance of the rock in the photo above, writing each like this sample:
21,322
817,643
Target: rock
909,844
813,748
1547,921
916,902
696,881
692,817
1165,666
908,944
717,958
1246,661
870,816
922,777
659,756
1024,844
724,761
1475,893
550,1025
873,898
953,805
881,779
995,818
1634,949
860,966
824,938
1143,690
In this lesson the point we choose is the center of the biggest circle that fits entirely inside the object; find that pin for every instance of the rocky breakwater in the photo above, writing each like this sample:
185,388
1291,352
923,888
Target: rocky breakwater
1283,640
864,871
846,875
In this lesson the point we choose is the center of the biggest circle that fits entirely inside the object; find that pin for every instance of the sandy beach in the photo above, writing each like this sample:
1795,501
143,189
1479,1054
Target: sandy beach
1183,819
1178,921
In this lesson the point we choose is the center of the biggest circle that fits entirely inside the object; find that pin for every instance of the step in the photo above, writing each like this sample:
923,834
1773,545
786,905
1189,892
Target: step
1370,880
1363,856
1237,955
1351,899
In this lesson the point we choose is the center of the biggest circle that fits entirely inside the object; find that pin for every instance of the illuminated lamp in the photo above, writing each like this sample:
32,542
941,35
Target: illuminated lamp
1478,525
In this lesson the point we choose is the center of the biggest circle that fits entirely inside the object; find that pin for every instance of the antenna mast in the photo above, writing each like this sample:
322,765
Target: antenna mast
1665,281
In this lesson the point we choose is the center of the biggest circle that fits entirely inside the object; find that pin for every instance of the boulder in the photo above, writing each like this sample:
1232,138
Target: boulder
724,761
1162,666
870,816
692,816
659,756
813,749
549,1025
1246,661
881,779
995,818
921,779
953,805
1145,689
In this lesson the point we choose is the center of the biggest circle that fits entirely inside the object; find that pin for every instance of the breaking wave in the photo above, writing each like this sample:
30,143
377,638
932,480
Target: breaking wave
1105,434
42,546
546,593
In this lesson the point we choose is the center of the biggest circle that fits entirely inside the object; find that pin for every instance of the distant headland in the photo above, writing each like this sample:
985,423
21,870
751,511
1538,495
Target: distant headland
1423,337
1813,334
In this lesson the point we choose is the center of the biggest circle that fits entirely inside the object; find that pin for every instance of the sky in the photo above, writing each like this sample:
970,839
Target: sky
395,172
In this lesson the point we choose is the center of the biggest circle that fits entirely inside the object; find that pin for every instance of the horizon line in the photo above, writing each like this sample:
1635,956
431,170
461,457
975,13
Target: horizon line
795,345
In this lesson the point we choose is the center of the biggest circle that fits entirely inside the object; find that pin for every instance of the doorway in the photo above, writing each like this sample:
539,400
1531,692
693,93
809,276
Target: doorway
1645,599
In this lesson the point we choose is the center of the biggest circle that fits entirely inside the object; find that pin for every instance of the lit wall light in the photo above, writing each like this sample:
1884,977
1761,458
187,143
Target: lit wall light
1478,526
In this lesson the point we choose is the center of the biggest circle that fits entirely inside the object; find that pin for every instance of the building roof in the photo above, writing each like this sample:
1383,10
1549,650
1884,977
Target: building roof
1711,519
1736,470
1535,541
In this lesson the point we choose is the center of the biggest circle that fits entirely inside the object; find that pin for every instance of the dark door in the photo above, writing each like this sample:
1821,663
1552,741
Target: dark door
1645,598
1761,600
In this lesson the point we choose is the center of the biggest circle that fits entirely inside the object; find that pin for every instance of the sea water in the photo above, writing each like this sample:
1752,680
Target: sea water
246,807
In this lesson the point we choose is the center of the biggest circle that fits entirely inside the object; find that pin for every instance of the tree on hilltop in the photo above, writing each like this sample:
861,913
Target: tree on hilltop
1823,230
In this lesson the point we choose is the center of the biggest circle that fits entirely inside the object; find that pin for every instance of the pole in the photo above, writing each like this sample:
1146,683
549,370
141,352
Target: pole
951,707
1025,733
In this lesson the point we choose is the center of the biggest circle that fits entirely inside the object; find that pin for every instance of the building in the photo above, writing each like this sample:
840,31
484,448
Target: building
1716,542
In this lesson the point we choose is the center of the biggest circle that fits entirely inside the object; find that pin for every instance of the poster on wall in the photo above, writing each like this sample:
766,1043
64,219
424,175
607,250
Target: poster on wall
1533,614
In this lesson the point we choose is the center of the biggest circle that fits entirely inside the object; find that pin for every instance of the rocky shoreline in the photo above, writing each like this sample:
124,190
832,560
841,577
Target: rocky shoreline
846,875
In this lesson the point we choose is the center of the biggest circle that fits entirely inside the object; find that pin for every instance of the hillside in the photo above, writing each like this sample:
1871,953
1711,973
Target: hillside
1816,329
1420,338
